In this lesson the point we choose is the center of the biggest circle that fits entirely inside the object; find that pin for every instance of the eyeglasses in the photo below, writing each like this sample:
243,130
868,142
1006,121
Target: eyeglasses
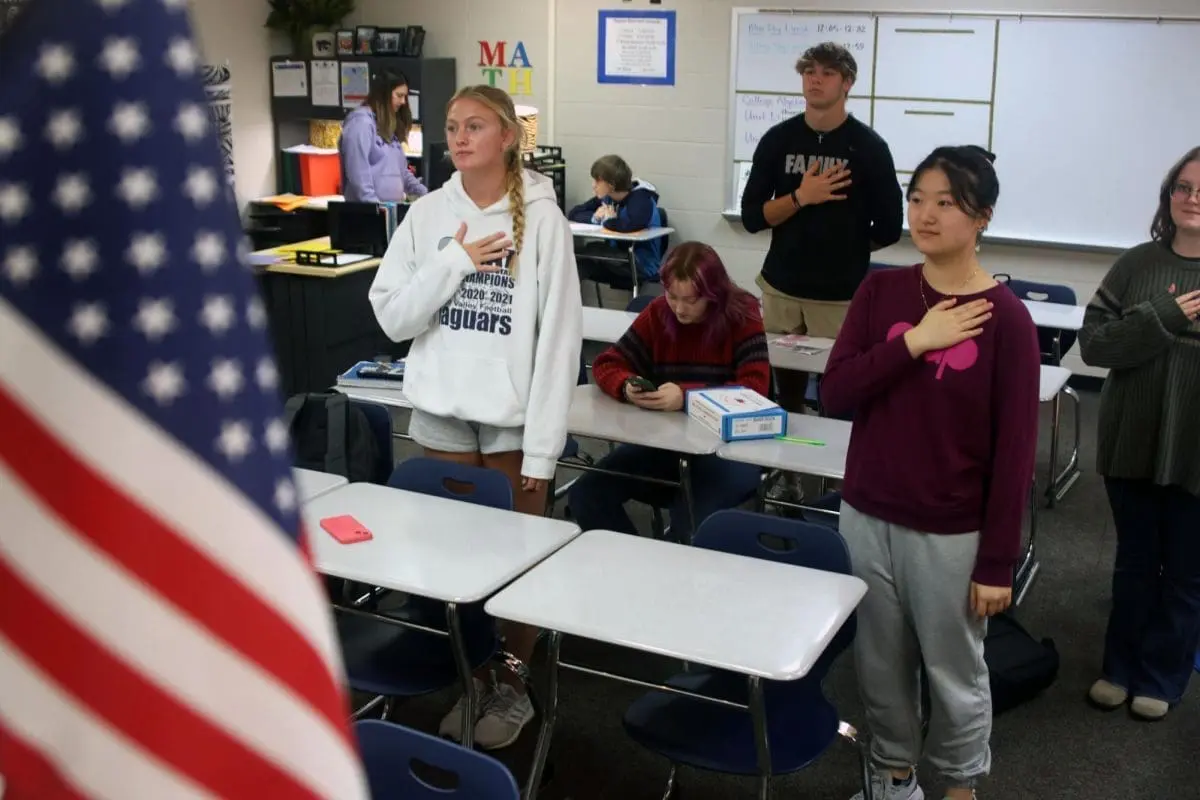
1183,191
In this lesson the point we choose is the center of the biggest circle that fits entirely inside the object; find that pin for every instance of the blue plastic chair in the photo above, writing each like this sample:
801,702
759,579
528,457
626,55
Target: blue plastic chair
393,755
390,660
380,420
825,510
479,485
801,722
1053,343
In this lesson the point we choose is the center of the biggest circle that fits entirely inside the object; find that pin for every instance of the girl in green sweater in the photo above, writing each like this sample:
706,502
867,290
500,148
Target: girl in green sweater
1142,326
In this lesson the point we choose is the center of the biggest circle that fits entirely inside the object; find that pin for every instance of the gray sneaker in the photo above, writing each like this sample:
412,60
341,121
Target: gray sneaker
451,726
885,787
505,715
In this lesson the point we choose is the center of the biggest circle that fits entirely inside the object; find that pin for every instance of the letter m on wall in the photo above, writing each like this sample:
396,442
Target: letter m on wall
491,55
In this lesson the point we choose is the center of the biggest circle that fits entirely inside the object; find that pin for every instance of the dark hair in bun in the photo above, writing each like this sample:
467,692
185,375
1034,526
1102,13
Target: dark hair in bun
973,182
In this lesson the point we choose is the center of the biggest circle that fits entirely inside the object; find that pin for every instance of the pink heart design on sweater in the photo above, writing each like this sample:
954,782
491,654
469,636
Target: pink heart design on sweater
961,356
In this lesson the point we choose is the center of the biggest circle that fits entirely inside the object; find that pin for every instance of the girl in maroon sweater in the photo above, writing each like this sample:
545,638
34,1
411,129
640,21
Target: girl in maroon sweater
939,364
703,332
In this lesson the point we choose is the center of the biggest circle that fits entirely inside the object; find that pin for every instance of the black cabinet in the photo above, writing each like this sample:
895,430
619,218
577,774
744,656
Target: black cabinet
321,326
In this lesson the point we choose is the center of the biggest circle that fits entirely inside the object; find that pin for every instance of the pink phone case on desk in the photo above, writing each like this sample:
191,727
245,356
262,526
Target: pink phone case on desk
346,529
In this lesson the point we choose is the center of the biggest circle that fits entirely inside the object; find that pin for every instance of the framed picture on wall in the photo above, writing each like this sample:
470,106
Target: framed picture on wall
345,43
387,41
364,39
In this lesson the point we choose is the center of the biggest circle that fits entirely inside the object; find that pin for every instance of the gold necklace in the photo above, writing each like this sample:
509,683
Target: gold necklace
959,288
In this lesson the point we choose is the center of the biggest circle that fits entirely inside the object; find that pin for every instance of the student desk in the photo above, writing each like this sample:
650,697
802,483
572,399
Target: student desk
605,325
822,461
311,484
1060,316
784,357
320,320
595,415
585,230
446,550
682,602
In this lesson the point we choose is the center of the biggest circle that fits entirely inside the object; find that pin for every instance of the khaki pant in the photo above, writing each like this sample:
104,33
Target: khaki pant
783,313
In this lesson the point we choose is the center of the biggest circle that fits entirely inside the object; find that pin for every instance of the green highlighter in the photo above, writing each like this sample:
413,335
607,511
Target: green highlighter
797,440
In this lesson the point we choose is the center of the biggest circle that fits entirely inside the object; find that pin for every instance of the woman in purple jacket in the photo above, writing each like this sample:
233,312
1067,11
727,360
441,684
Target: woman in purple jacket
374,165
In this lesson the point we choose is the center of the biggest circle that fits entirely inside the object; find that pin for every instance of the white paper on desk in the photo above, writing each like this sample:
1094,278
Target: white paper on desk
801,344
350,258
289,79
326,85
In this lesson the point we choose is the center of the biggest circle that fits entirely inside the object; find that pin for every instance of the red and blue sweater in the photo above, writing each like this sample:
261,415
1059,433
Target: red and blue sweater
648,350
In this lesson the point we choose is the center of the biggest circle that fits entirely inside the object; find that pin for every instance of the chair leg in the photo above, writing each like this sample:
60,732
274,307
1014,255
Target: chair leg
850,734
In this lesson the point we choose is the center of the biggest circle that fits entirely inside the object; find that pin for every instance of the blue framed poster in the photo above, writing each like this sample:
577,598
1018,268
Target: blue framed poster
636,47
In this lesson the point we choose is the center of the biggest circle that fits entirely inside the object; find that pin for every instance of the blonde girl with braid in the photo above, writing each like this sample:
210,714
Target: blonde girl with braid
481,277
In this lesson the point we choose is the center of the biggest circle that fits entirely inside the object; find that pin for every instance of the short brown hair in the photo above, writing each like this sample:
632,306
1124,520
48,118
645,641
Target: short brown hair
831,55
614,171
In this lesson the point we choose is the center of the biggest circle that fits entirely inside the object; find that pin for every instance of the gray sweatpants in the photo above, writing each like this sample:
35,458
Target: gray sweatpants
917,609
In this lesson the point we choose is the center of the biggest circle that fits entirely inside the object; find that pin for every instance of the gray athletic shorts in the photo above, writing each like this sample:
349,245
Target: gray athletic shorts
456,436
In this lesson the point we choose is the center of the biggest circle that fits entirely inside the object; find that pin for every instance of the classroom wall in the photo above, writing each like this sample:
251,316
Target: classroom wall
232,31
454,29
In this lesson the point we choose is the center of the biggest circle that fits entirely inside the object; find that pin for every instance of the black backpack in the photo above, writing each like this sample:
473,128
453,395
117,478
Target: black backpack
1020,667
331,435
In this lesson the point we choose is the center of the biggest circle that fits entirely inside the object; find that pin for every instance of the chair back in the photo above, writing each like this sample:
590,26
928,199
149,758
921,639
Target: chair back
453,481
1046,293
787,541
638,304
664,242
401,764
380,421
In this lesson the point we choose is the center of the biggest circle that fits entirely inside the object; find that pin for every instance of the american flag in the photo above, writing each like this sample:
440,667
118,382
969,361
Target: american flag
162,634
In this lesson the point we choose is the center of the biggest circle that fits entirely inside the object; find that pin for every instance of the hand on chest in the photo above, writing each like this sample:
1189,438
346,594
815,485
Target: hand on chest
958,357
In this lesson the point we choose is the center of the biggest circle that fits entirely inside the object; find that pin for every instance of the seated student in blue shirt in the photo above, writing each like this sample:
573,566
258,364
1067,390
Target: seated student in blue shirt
624,205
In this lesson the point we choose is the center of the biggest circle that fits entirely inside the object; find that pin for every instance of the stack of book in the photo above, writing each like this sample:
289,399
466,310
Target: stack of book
374,375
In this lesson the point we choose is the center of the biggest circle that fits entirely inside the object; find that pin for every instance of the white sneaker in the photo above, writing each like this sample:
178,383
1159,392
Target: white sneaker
451,725
505,715
885,787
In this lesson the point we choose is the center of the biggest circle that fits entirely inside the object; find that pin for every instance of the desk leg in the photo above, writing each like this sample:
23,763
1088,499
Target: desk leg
1065,479
459,648
541,752
685,486
1056,418
762,747
1028,568
633,273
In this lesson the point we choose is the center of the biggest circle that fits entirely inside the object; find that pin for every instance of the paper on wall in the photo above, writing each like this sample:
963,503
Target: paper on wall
326,86
289,79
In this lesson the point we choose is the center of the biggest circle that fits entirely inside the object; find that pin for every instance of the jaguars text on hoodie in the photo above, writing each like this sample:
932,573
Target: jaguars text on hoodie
487,347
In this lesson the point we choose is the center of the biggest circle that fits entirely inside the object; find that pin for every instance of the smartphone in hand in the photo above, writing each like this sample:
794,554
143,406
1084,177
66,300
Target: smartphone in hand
644,384
346,529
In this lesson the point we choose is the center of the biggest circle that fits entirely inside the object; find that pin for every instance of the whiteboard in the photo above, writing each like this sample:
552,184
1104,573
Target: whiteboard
1083,137
758,113
765,88
768,45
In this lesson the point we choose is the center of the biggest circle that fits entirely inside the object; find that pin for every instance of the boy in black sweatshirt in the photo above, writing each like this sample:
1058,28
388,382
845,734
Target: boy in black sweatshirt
825,183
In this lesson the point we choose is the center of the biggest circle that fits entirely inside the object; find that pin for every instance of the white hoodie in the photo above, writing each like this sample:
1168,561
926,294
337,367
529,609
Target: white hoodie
486,348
